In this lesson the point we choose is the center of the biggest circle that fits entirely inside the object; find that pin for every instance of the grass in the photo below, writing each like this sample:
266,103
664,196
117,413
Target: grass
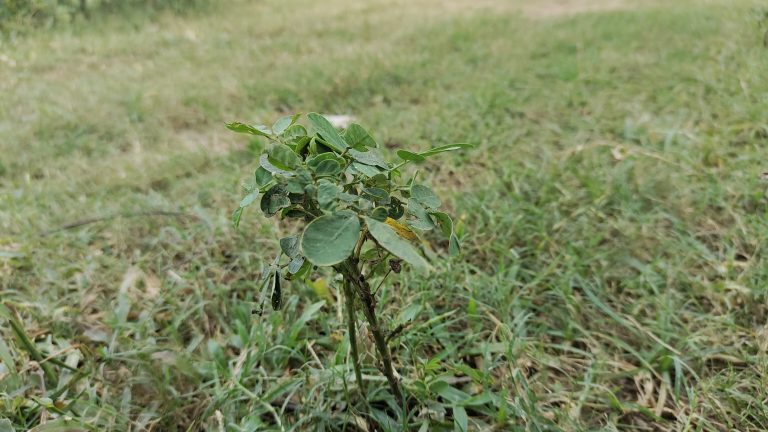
614,274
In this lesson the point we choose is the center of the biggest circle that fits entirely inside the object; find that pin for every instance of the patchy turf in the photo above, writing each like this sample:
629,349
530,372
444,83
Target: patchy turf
614,273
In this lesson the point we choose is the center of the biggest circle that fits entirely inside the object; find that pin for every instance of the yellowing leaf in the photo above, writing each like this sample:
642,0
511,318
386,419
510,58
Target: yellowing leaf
401,230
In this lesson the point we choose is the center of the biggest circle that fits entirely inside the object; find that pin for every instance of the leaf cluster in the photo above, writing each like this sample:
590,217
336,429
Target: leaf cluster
347,194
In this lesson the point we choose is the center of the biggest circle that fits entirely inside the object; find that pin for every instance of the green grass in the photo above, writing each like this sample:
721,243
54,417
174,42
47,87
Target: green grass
614,274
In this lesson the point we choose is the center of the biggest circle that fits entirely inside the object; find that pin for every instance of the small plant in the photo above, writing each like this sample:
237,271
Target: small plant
362,219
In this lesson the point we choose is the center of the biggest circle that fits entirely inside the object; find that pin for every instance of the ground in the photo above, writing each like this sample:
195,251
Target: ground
613,275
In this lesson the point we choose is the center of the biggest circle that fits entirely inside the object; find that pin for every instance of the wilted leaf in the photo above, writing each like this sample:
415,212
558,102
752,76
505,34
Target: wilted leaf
401,230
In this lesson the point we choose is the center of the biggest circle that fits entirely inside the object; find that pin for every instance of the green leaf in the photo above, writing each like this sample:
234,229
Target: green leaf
380,214
377,194
259,130
454,247
460,419
444,222
424,196
446,148
410,156
330,239
366,170
6,425
395,244
370,157
329,133
328,167
249,199
300,143
327,192
283,157
317,160
304,270
283,123
423,221
356,136
263,177
236,215
267,165
295,131
296,264
290,246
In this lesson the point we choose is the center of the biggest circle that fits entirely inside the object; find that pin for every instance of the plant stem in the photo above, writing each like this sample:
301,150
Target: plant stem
355,276
352,330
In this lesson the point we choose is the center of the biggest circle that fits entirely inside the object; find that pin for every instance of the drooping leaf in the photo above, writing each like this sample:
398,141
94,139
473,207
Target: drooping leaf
446,148
259,130
330,239
356,136
424,196
410,156
444,222
249,199
391,241
329,133
277,292
236,215
454,247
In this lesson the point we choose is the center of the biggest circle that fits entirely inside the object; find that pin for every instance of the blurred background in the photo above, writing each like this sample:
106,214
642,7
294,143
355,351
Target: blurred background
613,274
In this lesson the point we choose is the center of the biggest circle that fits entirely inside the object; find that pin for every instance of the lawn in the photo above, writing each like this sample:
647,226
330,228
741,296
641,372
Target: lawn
613,276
